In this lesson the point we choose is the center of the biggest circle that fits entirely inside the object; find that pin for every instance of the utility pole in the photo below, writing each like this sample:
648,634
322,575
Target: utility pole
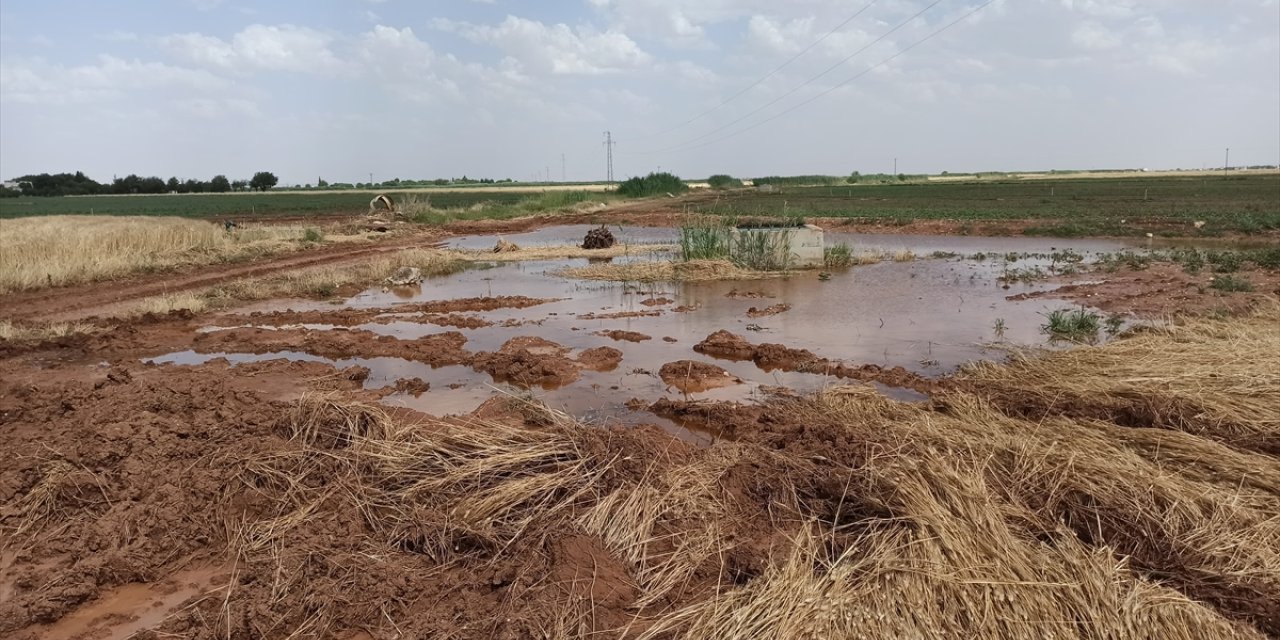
895,166
608,154
1226,166
370,178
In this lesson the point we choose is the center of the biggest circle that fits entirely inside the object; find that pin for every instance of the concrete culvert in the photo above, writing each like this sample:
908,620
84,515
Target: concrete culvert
382,200
404,276
599,238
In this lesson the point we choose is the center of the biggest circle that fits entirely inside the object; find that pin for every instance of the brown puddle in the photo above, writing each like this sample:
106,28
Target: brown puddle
125,611
927,316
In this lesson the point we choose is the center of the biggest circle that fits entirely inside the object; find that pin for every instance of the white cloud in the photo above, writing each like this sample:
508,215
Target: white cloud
38,82
556,49
260,47
1103,8
1092,35
219,108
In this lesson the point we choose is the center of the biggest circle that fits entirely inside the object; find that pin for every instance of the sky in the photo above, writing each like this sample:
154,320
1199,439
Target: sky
348,89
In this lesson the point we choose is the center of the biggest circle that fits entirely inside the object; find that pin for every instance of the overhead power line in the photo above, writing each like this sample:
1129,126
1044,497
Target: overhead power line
771,73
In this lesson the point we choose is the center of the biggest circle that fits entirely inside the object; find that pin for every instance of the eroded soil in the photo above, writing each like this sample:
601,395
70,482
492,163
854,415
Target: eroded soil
164,499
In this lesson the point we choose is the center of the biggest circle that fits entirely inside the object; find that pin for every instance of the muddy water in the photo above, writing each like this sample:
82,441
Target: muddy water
927,315
128,610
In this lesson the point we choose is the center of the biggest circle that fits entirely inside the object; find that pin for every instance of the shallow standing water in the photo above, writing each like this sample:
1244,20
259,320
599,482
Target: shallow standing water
926,315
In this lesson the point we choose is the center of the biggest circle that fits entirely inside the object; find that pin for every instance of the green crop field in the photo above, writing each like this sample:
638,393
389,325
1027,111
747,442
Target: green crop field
1091,206
232,205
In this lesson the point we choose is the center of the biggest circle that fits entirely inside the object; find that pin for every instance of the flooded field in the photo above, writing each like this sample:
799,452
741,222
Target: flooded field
927,316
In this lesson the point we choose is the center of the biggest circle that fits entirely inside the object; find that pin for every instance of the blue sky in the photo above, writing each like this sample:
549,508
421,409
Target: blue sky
341,89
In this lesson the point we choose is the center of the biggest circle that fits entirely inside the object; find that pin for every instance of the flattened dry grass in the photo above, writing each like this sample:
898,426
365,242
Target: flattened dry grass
19,332
666,271
61,250
1217,379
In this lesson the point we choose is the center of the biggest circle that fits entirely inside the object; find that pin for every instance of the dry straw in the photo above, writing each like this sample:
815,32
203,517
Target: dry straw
60,250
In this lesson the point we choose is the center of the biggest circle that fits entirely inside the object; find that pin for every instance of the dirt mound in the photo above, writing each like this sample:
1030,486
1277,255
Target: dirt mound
629,336
723,344
502,246
656,302
691,376
771,310
598,238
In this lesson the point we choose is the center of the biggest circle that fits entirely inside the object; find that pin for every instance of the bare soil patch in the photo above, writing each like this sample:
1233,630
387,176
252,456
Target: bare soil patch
1164,289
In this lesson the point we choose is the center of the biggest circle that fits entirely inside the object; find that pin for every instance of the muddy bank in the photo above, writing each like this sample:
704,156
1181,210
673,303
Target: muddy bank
437,350
441,312
769,357
1164,289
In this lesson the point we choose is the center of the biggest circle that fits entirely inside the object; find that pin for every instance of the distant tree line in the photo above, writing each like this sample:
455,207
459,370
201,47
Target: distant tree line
78,184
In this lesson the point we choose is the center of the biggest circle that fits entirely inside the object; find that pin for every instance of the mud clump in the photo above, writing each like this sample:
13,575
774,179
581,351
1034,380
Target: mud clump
600,358
598,238
412,386
629,336
691,376
656,302
723,344
529,362
771,310
770,356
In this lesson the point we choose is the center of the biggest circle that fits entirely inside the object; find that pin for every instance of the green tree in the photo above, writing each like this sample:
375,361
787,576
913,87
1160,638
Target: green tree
722,181
652,185
263,180
219,184
173,184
